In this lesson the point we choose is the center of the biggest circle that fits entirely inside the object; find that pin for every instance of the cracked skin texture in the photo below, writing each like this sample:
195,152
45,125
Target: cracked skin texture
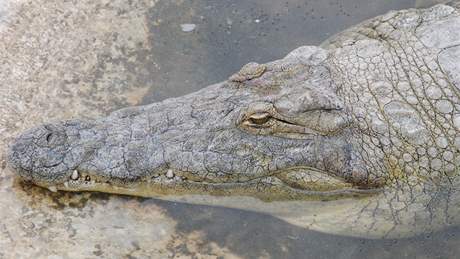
359,136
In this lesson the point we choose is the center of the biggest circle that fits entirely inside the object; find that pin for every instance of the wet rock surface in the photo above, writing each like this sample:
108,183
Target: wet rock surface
80,55
86,58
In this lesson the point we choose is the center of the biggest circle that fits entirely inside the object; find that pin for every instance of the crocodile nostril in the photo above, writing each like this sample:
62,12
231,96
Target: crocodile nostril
49,137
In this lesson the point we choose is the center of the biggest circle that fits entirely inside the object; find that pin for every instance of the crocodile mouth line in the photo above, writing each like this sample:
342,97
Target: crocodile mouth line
287,184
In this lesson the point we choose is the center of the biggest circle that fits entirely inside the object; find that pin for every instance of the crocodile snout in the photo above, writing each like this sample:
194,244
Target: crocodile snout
19,156
39,153
45,153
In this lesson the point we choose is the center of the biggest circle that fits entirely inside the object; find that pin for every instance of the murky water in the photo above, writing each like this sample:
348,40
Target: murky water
86,58
230,34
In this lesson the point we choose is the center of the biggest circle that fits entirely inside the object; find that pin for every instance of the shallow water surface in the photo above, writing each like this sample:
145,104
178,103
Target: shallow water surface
87,58
229,34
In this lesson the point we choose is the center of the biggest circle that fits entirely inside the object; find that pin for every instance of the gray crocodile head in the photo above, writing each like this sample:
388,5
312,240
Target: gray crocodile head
374,113
275,131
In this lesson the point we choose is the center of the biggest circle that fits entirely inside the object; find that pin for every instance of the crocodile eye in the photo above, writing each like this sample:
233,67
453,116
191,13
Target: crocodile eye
259,118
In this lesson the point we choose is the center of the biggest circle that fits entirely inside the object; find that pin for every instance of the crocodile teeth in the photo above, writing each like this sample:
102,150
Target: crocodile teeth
74,175
52,188
170,174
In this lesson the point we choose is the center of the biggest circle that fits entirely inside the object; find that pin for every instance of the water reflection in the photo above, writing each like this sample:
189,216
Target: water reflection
254,235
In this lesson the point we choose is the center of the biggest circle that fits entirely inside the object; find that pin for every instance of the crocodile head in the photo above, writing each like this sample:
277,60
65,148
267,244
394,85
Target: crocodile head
376,113
273,131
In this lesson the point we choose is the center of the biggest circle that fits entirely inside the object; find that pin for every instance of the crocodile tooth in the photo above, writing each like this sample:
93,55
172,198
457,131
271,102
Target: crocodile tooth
74,175
170,174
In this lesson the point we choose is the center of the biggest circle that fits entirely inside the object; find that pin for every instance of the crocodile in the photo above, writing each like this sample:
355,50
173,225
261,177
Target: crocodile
358,136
